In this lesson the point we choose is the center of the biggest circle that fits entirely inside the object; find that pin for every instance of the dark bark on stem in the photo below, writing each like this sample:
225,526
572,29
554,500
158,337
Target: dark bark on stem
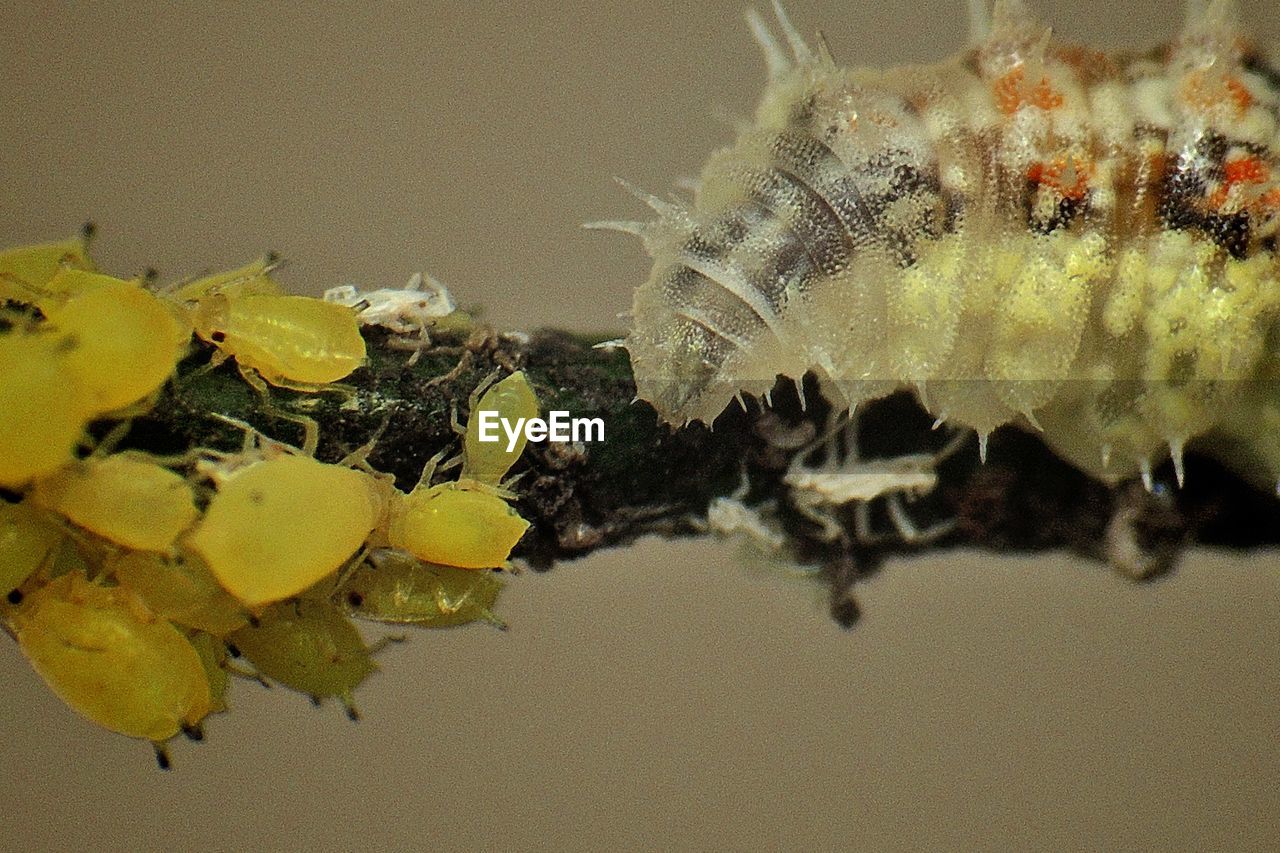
646,478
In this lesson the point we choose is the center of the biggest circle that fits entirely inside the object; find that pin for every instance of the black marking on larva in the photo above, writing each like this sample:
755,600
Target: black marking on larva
1065,211
1213,146
1257,63
704,255
791,264
698,297
1180,207
813,161
804,210
1182,196
716,240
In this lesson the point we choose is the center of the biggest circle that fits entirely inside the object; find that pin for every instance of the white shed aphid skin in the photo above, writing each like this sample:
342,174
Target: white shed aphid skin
818,491
1030,233
411,310
728,517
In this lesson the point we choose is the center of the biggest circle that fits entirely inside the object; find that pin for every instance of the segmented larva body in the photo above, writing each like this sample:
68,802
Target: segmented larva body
1084,244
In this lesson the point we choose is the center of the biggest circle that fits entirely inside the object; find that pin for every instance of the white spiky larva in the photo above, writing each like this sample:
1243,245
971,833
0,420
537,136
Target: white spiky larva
1029,233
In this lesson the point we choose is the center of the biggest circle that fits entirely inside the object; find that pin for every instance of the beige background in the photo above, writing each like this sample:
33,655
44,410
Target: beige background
661,696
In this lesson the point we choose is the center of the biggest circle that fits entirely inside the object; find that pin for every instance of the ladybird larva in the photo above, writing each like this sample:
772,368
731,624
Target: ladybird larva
1031,233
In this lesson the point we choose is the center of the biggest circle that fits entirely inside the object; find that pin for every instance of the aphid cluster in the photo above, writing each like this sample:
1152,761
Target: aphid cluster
1032,233
136,585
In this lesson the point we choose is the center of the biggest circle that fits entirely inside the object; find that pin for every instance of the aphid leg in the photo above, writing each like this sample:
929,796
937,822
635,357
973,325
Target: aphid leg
429,471
448,605
493,619
310,429
394,639
215,361
907,529
473,399
344,573
831,528
359,458
842,573
862,523
162,756
464,363
193,732
421,345
248,675
349,393
454,423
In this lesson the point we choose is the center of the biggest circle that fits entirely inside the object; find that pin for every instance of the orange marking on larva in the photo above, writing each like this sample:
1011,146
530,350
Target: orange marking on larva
1008,96
1240,95
1044,97
1012,93
1206,91
1246,170
1068,175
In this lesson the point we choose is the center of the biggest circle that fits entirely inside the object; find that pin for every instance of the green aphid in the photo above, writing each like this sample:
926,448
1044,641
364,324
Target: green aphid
393,586
309,646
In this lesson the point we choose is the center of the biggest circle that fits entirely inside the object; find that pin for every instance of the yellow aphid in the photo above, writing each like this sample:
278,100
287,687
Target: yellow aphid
396,587
120,341
309,646
511,400
277,527
286,339
456,526
25,270
131,501
42,412
182,591
251,279
28,538
108,658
